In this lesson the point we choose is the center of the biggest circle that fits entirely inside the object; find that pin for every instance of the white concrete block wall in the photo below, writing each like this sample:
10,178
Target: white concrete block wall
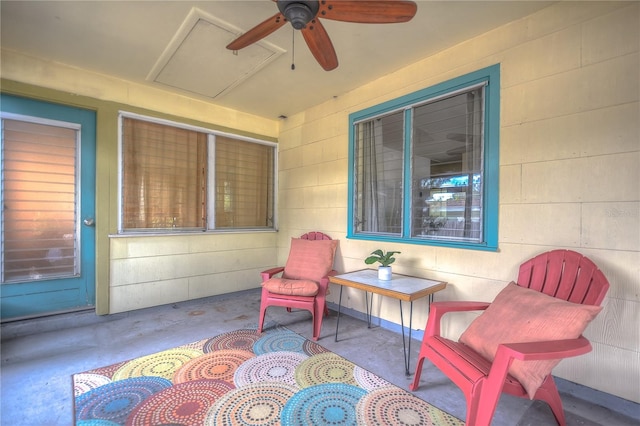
150,271
570,161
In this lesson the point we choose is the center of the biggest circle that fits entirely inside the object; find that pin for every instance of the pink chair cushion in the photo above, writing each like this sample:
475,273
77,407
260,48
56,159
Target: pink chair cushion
291,287
310,259
519,315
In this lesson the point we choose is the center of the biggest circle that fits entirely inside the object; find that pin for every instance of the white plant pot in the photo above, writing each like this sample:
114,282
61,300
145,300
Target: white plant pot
384,273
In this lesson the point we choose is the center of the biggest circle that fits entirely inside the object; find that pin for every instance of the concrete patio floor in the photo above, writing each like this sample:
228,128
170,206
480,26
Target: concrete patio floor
40,355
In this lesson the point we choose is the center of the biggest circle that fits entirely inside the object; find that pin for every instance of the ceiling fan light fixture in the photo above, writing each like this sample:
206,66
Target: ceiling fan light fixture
298,13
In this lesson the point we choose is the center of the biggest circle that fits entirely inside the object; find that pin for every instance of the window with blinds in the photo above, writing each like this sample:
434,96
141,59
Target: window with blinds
244,184
176,178
39,175
164,172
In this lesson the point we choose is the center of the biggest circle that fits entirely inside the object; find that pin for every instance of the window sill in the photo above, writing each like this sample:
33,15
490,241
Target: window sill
188,233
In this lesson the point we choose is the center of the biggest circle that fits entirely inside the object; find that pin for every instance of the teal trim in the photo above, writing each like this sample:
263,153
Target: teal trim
492,157
489,76
424,95
351,181
48,296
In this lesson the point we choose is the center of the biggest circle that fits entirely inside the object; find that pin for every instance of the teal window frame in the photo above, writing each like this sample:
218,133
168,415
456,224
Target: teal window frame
489,76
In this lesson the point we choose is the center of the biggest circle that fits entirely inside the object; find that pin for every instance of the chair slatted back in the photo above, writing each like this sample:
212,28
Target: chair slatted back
315,236
565,274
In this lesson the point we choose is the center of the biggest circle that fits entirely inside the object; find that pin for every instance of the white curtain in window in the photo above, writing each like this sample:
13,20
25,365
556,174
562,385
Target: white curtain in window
379,174
370,177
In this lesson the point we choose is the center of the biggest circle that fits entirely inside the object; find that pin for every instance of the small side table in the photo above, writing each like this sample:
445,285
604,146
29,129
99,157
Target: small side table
401,287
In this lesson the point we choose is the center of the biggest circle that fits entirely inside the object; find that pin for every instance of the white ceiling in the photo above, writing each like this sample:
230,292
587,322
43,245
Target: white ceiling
180,45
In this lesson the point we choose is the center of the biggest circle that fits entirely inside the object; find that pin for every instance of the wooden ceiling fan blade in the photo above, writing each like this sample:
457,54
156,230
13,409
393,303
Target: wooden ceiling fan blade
320,45
258,32
368,11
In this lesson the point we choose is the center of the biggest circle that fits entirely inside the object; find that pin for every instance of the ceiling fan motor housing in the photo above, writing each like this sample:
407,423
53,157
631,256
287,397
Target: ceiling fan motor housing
298,12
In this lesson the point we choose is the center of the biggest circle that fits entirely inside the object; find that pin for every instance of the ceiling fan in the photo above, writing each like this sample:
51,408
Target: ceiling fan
305,15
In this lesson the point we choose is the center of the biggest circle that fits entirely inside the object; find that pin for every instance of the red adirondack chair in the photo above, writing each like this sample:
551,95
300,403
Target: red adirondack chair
305,279
562,274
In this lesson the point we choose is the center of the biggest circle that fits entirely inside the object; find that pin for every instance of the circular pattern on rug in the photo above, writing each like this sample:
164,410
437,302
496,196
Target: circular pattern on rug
161,364
240,340
109,370
199,345
218,365
366,379
279,340
325,368
184,403
253,404
271,367
312,348
326,404
84,382
394,406
115,401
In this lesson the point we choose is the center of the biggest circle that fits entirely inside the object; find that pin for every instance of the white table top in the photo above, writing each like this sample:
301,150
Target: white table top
403,287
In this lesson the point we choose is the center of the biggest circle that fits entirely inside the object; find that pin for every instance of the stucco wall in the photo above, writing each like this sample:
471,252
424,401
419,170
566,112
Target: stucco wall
569,174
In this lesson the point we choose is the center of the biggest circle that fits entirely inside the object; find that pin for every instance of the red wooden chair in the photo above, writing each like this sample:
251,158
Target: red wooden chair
305,279
563,274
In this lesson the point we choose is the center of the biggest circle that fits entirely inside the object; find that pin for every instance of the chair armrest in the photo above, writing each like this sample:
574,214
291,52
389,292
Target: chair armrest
324,281
459,306
269,273
438,309
530,351
545,350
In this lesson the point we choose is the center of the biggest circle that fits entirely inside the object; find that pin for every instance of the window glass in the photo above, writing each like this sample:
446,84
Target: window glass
39,173
447,168
176,178
424,167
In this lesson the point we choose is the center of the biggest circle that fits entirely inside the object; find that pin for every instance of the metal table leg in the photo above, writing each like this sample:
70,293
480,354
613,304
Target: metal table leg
406,348
369,306
338,317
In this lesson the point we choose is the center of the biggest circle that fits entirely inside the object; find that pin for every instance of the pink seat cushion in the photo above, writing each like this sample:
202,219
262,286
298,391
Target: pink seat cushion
310,259
291,287
519,315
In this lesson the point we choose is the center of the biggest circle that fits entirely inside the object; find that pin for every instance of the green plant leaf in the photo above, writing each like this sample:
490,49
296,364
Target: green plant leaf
378,255
371,259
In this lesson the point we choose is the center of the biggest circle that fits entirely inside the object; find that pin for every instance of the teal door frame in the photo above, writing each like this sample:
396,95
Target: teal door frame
38,298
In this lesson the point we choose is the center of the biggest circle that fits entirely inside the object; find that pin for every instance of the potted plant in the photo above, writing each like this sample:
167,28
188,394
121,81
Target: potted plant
385,260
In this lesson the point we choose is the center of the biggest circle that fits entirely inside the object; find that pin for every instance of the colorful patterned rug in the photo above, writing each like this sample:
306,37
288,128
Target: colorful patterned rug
245,378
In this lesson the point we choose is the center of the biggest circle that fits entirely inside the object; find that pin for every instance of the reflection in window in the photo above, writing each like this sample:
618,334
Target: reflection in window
452,208
447,167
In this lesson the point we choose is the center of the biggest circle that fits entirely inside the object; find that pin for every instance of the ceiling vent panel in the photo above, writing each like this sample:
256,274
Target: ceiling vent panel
192,60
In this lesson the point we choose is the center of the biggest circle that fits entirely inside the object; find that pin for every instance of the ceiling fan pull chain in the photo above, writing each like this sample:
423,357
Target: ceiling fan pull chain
293,50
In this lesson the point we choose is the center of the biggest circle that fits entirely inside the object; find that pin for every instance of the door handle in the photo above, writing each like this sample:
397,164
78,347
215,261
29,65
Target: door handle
89,221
